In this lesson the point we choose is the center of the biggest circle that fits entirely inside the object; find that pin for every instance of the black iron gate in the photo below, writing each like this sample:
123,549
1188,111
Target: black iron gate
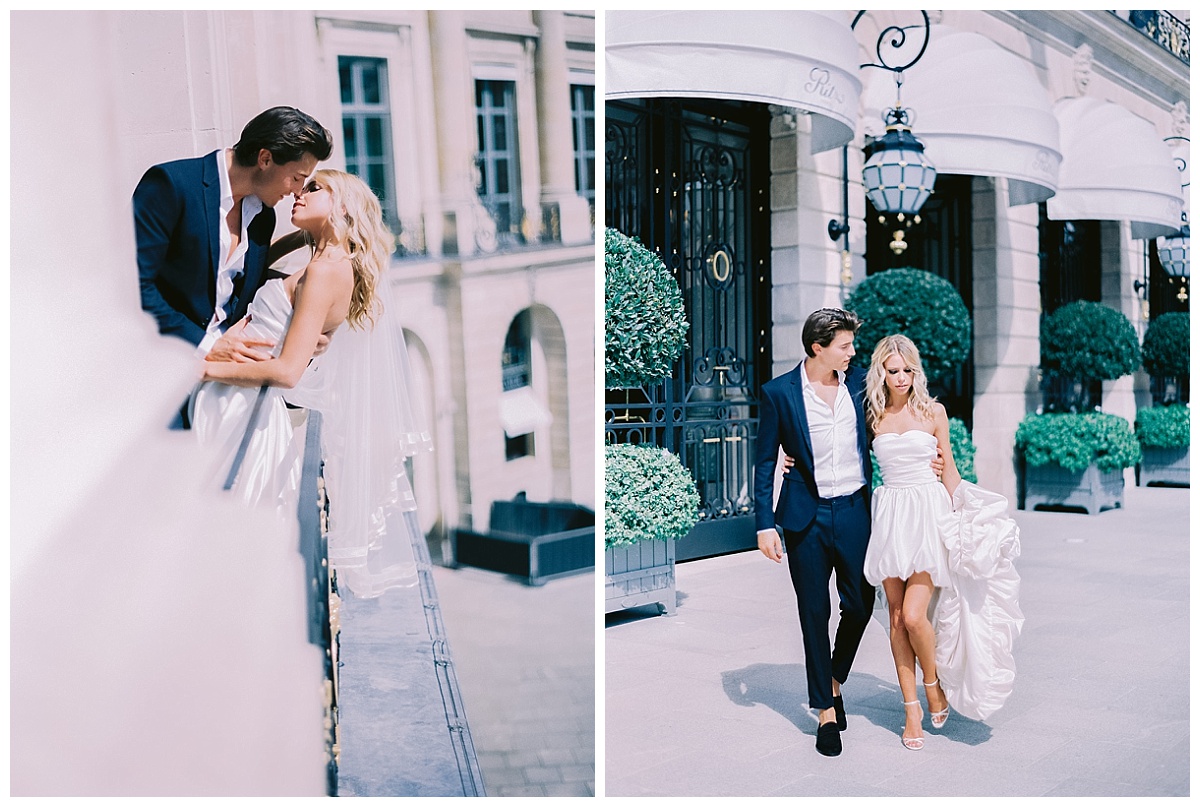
690,179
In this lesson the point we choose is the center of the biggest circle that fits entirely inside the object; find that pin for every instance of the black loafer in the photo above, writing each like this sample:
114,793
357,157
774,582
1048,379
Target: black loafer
829,740
839,712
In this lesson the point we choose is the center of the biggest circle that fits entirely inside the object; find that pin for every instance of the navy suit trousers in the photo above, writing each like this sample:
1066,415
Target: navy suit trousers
836,541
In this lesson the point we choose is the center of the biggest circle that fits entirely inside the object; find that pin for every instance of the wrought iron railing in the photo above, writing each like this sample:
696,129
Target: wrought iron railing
1172,33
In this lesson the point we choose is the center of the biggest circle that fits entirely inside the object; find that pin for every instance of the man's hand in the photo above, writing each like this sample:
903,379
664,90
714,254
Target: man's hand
939,463
788,462
323,343
234,346
770,545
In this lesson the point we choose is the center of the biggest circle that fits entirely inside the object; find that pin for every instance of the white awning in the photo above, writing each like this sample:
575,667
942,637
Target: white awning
521,412
807,60
979,109
1115,166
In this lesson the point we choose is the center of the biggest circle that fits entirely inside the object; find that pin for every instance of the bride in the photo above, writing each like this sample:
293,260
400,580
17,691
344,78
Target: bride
928,537
360,384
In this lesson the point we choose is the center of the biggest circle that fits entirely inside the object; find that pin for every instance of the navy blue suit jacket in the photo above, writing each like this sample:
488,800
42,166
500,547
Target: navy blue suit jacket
783,421
177,216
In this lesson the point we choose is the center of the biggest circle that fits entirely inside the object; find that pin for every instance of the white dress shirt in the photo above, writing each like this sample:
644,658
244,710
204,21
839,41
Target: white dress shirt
229,265
837,464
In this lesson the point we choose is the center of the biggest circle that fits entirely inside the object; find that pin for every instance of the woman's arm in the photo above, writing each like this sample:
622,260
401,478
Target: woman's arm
285,244
941,430
314,299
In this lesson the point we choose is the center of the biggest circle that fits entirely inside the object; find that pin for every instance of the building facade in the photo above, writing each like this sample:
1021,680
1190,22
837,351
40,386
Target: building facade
1057,135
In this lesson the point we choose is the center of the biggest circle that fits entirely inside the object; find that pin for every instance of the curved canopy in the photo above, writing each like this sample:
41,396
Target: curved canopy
979,109
802,59
1115,166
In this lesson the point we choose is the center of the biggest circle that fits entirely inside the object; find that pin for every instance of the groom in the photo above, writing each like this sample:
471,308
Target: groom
815,412
204,226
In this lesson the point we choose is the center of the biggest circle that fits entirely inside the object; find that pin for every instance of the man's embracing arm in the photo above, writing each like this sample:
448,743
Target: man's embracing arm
156,211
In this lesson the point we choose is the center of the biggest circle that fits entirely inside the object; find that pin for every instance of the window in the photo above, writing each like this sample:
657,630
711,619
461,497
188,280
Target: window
515,374
583,117
499,174
367,130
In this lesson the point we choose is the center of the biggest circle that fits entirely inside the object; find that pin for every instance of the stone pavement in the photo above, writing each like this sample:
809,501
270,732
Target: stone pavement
712,701
525,657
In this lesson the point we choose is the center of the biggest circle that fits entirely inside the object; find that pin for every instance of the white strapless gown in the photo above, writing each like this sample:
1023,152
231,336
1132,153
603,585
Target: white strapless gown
220,412
968,544
372,524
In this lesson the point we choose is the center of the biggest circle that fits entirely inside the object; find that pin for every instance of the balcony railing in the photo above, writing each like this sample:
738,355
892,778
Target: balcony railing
1172,33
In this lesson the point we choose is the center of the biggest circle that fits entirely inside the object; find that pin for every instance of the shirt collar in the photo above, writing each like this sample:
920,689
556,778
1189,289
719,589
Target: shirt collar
251,204
806,382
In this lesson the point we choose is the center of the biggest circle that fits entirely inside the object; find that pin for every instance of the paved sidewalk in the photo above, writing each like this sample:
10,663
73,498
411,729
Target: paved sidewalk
525,657
712,701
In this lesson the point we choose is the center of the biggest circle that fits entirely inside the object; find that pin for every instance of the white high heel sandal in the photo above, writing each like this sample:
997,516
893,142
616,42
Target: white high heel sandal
913,743
938,719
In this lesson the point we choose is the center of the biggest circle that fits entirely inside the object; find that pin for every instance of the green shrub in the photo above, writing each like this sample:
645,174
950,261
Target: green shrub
1075,441
645,327
918,304
1088,341
648,495
960,444
1164,427
1166,347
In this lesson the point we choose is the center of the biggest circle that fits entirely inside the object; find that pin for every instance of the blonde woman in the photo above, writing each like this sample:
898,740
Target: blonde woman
918,545
360,384
906,553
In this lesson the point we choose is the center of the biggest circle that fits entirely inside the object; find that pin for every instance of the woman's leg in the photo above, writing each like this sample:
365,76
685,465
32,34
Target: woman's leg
903,654
917,593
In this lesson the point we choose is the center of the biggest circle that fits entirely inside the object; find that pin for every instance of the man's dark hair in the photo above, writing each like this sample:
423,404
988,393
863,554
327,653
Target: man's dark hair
824,323
287,133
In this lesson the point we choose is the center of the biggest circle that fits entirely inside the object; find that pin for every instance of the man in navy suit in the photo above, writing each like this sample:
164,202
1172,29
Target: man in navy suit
204,226
815,412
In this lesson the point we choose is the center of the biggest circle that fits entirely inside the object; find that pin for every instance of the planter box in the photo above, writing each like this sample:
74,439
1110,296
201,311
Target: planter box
1091,489
533,540
640,574
1164,466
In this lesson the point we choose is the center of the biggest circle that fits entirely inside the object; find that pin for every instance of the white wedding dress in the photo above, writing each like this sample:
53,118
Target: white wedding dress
968,544
361,385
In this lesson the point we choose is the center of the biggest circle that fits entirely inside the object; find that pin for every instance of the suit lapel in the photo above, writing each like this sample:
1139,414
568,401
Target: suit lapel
797,390
212,214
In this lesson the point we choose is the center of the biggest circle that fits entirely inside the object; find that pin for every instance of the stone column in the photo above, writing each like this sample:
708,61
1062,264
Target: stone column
1007,310
564,213
464,222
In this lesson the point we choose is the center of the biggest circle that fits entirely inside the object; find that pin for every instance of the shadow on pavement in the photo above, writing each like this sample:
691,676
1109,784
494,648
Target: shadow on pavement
781,687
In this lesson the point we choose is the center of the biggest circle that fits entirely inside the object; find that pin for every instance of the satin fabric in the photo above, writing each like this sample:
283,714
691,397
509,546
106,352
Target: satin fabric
978,618
219,414
905,533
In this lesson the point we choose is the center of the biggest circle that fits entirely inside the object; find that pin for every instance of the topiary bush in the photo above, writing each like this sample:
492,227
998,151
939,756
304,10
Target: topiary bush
648,495
1166,346
1163,427
1075,441
645,327
1089,341
960,444
918,304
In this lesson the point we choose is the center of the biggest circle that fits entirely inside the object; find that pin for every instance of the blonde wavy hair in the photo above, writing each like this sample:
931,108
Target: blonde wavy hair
920,403
361,231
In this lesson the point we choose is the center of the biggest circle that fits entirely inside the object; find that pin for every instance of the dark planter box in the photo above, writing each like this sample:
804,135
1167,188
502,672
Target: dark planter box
640,574
1165,466
1092,490
537,541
